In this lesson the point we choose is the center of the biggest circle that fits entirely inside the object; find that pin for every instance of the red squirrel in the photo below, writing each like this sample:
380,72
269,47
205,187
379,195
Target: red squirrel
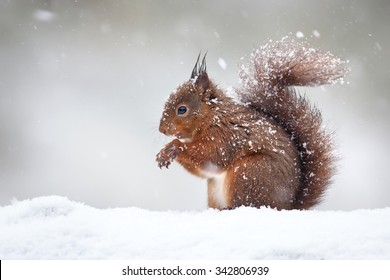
267,146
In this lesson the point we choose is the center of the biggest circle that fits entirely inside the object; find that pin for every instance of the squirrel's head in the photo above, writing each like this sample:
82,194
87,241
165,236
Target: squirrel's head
188,106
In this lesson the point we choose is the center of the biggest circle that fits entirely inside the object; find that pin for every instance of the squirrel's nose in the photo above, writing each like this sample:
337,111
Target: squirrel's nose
162,129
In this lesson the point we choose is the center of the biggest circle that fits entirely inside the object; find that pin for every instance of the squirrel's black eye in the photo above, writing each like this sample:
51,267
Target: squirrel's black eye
181,110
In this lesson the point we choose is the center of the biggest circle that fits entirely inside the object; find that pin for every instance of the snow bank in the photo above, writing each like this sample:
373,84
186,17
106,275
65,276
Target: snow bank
57,228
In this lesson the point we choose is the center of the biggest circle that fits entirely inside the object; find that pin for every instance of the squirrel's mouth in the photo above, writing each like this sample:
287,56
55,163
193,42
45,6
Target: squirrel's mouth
182,138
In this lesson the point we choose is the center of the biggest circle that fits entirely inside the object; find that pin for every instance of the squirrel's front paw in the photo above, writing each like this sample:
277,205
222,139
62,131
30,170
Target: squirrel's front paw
166,156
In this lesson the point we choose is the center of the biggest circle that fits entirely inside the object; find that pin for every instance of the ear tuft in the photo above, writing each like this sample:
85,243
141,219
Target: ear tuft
199,70
195,71
199,74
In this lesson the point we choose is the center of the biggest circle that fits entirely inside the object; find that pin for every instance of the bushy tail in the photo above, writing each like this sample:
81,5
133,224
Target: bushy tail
266,85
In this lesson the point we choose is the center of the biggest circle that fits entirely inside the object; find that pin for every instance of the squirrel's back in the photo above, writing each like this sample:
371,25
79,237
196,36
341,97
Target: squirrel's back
267,87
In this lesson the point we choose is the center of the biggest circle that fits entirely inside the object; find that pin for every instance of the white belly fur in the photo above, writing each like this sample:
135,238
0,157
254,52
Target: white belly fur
218,191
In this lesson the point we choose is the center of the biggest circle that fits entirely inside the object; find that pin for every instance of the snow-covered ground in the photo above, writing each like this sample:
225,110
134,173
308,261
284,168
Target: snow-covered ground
56,228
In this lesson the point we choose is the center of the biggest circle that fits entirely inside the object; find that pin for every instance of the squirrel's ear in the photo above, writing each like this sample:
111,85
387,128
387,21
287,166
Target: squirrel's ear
203,82
199,73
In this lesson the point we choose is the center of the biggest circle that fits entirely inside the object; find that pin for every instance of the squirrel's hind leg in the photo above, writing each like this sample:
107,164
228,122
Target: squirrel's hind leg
256,181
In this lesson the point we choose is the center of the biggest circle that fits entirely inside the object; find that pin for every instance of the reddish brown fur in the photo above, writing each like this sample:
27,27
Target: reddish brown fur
269,150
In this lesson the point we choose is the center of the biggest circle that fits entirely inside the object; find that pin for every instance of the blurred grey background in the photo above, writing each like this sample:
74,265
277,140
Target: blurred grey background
83,84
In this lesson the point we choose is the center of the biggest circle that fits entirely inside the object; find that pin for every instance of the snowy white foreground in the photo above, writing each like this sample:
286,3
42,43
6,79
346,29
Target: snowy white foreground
57,228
